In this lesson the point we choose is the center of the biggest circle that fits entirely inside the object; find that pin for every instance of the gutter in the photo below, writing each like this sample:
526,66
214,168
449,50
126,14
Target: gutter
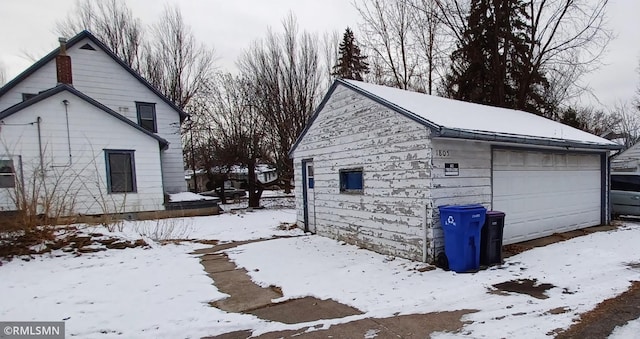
518,139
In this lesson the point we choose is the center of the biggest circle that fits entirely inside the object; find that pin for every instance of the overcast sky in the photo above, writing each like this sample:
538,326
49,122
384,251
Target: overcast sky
231,25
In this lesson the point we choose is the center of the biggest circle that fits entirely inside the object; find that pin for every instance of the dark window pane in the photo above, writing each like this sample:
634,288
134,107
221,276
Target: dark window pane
6,166
149,125
147,116
7,176
121,172
351,180
7,181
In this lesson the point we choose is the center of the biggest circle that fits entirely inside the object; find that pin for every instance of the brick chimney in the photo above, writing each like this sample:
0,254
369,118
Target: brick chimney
63,64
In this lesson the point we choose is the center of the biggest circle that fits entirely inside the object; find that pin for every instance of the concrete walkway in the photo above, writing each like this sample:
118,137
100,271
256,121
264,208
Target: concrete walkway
247,297
403,326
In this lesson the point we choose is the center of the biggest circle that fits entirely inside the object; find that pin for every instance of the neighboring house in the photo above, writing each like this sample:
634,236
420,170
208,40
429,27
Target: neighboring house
237,176
374,163
199,180
627,161
265,174
83,124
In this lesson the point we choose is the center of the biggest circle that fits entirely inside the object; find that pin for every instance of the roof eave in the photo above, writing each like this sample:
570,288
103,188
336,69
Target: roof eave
164,144
522,139
70,43
368,95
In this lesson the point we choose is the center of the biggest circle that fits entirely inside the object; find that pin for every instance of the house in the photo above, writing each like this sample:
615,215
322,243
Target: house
237,176
81,127
374,163
627,161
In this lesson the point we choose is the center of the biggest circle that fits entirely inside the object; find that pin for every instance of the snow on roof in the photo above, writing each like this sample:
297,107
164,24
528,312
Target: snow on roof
465,116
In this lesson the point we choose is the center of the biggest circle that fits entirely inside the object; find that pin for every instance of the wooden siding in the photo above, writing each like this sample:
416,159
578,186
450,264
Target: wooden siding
394,152
84,178
98,76
627,161
471,186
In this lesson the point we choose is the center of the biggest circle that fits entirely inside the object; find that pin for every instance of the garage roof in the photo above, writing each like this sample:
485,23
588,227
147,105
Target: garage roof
453,118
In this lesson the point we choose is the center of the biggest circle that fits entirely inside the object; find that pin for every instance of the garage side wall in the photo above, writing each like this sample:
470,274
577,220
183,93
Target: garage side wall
394,153
467,180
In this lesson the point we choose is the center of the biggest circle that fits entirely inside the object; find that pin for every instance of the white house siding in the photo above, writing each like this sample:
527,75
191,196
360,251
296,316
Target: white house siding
471,186
91,131
98,76
627,161
394,152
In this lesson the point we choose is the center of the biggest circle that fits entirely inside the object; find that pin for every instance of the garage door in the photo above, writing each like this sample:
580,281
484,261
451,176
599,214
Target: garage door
543,193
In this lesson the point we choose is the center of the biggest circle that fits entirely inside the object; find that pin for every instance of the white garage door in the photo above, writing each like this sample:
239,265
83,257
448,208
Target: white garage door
543,193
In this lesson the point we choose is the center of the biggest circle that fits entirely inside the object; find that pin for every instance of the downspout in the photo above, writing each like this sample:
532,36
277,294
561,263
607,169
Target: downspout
38,121
66,113
424,234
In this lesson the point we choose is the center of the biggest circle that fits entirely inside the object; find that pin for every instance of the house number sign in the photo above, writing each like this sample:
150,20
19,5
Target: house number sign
451,169
442,153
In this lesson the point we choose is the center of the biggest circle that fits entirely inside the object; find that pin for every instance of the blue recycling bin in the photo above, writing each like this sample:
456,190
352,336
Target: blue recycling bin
462,225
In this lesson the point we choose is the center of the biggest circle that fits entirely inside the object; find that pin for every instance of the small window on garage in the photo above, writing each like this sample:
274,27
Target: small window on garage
351,180
630,183
7,174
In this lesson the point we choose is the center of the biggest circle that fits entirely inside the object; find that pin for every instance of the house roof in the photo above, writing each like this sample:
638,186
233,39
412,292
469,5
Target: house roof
450,118
71,42
63,87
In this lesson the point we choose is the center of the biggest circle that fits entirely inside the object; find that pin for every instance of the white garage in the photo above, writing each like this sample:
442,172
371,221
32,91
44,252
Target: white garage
375,163
546,192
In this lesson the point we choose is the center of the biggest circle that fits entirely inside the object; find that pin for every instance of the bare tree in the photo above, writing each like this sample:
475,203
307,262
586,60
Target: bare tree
237,136
406,42
428,31
112,22
175,62
386,34
628,123
330,47
284,73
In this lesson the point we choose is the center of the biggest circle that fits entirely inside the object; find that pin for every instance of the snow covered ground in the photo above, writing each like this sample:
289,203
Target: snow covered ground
163,291
630,330
585,271
159,292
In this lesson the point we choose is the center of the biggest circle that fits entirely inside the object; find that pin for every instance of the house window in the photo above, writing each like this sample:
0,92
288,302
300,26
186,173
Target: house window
27,96
310,179
121,171
351,180
7,174
147,116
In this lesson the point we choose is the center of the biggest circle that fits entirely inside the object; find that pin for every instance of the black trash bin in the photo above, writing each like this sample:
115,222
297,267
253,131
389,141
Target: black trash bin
491,238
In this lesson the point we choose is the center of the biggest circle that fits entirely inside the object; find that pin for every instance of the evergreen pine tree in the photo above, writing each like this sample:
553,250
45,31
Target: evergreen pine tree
491,63
350,64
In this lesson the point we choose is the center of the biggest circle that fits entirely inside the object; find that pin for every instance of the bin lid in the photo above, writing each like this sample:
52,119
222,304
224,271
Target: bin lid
461,207
495,213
